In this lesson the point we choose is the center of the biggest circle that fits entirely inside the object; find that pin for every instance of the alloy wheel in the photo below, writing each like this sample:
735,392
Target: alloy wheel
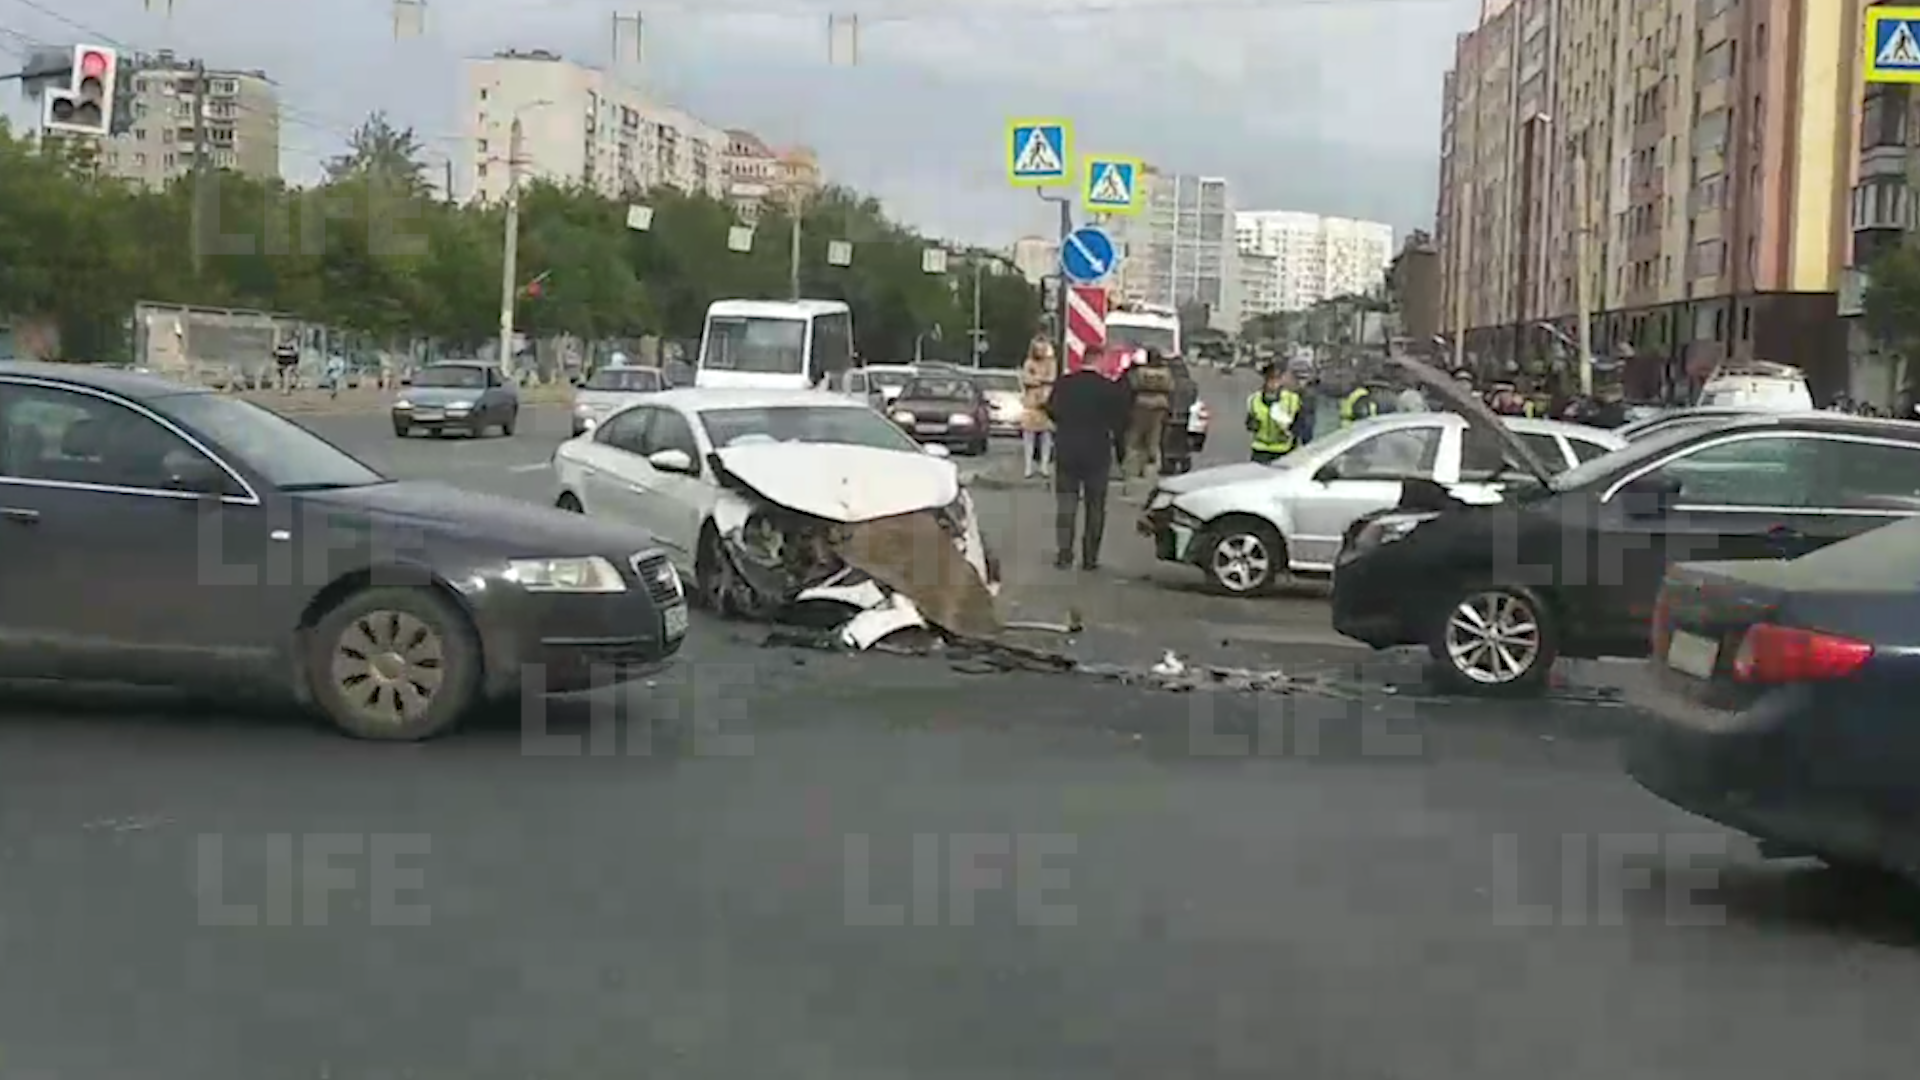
1241,562
387,667
1493,638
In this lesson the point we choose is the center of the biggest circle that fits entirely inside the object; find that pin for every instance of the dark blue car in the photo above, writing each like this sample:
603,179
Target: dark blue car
1784,699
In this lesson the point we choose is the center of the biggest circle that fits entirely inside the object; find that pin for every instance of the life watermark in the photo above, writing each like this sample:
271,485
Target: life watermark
950,879
303,545
312,879
1361,717
701,709
1608,879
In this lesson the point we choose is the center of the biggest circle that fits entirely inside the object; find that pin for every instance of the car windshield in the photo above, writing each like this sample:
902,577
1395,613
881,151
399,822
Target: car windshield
1141,337
805,424
998,380
889,380
938,389
632,380
1652,446
280,451
756,345
463,376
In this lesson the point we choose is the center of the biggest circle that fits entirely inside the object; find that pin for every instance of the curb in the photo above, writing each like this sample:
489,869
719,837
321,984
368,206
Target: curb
297,407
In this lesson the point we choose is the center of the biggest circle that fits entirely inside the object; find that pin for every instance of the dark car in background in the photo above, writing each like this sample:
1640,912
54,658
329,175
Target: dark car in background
1781,702
164,535
466,396
944,407
1570,565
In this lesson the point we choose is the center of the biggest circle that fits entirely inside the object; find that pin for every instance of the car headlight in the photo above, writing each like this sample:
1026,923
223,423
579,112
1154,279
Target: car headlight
1382,530
581,574
582,408
960,419
403,403
903,418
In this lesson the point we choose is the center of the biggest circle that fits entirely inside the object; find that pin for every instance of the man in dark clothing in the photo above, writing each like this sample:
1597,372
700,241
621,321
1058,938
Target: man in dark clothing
1089,411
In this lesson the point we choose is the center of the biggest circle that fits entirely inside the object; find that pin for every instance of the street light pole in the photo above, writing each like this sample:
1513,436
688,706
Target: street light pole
510,251
1065,203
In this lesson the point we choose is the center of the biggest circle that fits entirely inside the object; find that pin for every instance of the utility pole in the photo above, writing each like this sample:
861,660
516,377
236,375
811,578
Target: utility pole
977,334
793,248
1583,269
1065,203
510,251
197,205
1462,273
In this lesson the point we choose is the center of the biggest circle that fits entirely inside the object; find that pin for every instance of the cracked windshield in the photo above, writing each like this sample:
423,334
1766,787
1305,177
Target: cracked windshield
1081,539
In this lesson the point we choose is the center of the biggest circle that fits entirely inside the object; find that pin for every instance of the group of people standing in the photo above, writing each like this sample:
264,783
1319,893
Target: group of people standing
1079,424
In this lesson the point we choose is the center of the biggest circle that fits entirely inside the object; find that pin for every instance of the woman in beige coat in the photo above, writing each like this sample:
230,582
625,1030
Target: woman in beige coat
1037,376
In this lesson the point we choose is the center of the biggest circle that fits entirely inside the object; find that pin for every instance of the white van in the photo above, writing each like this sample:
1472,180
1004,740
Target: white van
1761,387
1141,326
774,344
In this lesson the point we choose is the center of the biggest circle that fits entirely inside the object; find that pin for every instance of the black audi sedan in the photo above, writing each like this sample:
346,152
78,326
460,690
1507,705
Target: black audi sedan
166,535
1569,565
1781,697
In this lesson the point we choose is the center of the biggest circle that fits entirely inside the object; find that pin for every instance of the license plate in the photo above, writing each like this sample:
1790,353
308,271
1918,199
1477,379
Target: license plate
427,414
932,429
676,620
1693,654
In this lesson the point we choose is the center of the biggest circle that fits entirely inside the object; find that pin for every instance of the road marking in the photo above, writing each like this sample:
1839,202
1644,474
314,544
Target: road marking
538,466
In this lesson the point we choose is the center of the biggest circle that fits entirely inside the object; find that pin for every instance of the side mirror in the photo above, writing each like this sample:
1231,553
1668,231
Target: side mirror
191,472
673,461
936,450
1329,472
1650,495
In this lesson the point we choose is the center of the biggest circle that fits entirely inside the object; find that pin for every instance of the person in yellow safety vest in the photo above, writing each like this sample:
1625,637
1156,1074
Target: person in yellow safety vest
1358,405
1271,411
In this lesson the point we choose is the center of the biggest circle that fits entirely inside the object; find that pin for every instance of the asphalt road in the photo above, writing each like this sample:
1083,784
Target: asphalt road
774,862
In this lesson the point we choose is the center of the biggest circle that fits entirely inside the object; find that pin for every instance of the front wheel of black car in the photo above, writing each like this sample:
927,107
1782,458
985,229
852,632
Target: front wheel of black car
1495,640
394,664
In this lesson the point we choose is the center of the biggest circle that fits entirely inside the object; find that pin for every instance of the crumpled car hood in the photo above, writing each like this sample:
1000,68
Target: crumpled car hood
1219,476
847,484
1476,413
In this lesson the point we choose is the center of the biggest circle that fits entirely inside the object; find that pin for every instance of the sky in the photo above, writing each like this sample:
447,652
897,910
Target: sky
1324,106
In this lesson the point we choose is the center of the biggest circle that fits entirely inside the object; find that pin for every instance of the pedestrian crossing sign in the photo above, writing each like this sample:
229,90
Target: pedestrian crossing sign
1893,45
1112,184
1038,152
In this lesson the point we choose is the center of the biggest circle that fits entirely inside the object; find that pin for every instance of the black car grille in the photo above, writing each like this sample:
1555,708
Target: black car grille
659,578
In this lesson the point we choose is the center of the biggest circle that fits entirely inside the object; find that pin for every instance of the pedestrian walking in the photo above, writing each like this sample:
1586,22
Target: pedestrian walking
286,366
1088,410
1272,412
1150,391
336,374
1037,377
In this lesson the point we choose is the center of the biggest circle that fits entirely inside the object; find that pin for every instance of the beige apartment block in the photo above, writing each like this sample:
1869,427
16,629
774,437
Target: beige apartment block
225,119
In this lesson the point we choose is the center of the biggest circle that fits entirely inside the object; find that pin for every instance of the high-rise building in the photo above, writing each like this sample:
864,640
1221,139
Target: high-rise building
1036,257
758,174
1180,249
579,125
1698,152
1314,258
224,119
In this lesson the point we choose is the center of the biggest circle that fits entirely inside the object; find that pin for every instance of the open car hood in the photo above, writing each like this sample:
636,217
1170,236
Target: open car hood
1476,413
847,484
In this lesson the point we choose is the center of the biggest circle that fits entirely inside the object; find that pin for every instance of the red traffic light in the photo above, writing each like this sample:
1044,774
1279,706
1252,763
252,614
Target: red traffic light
93,65
533,289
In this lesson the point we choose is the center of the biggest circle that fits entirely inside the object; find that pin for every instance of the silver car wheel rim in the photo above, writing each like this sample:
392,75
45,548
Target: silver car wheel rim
1240,562
388,667
1493,638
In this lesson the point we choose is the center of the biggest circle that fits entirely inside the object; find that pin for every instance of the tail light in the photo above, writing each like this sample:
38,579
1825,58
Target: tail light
1772,654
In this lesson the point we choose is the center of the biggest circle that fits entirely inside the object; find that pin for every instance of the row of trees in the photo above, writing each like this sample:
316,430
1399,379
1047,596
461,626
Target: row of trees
371,249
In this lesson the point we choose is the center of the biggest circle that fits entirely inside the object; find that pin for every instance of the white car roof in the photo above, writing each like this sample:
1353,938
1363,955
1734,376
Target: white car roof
696,399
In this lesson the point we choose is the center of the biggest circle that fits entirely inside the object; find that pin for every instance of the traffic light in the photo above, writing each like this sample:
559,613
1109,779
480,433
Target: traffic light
87,107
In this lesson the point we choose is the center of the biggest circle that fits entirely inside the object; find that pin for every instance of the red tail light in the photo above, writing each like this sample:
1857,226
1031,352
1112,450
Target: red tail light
1783,654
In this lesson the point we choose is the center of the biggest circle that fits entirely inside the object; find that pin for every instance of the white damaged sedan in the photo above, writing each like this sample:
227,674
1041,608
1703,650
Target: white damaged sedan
782,504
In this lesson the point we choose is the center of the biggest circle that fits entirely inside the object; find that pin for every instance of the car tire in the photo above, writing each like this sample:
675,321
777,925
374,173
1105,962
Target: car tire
978,449
1242,555
713,577
401,431
570,502
377,641
1495,640
513,418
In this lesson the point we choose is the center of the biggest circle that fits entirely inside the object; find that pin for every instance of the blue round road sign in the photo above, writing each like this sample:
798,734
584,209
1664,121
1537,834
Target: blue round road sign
1087,255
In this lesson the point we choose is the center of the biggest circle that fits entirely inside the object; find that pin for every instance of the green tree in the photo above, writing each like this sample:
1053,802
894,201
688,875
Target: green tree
378,148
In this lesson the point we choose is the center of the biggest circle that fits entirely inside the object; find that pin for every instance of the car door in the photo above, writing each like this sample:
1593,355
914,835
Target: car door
677,501
1742,496
615,473
1362,479
111,569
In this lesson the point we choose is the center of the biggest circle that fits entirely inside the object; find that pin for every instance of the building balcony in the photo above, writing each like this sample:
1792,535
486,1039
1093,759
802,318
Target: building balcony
1884,204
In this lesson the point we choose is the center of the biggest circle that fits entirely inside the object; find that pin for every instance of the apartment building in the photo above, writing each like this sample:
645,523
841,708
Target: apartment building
1036,258
1716,142
1180,249
758,175
180,111
1883,213
1314,258
579,124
